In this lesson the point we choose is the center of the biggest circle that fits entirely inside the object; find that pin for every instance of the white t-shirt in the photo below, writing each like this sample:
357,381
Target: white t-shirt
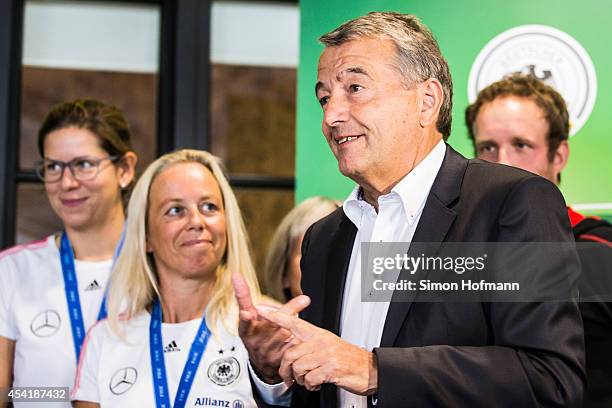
116,372
34,312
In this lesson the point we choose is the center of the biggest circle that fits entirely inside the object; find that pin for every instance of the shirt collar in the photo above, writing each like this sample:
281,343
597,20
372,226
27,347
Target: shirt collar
354,206
412,190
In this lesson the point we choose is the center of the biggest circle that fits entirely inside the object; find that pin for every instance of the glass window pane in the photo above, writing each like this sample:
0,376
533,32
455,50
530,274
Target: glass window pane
35,217
106,50
262,210
86,49
139,105
253,119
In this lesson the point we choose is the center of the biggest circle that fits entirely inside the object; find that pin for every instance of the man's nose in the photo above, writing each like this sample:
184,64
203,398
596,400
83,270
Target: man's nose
503,157
336,111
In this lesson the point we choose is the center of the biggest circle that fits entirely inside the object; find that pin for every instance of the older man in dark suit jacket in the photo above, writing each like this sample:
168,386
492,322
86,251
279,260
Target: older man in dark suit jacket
386,92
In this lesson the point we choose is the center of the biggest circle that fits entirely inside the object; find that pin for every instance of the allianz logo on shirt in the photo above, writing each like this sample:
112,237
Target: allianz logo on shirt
212,402
172,346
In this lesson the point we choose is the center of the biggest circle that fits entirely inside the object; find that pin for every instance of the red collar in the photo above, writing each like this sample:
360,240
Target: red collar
575,218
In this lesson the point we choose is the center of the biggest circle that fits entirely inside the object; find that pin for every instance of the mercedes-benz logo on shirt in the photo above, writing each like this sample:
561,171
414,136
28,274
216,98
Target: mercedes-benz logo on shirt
122,380
46,323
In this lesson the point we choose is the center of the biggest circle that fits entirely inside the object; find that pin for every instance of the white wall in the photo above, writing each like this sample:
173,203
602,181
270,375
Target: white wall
125,37
83,35
261,34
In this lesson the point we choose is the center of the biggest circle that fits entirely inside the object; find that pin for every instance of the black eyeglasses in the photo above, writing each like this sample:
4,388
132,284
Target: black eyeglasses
81,168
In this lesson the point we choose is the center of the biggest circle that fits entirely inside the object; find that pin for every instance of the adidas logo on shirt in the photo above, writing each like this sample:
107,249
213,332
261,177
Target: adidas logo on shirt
94,285
172,346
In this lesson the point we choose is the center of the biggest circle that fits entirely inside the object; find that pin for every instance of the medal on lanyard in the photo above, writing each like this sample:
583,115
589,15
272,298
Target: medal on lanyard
71,288
158,365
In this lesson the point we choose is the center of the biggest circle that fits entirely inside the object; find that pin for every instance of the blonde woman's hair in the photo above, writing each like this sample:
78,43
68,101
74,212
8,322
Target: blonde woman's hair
293,226
135,284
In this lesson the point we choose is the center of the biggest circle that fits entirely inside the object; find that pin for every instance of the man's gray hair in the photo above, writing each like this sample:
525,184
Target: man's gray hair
419,56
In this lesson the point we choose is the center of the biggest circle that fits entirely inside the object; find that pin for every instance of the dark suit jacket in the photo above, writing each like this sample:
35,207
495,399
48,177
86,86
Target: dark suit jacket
461,354
594,238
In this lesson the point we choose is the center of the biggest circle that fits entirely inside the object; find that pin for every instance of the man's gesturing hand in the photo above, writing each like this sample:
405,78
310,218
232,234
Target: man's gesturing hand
264,340
317,356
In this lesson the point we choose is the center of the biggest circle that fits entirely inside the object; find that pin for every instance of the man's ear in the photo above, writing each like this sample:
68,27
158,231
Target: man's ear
432,96
560,158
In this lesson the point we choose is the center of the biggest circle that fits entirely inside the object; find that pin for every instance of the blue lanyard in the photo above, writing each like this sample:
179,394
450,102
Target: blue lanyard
158,365
71,288
103,309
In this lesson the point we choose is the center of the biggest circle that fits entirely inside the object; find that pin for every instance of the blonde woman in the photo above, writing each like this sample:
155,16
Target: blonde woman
171,336
282,274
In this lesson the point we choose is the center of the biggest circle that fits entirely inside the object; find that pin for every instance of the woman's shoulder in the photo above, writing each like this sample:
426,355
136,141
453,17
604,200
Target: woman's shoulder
126,330
33,250
22,263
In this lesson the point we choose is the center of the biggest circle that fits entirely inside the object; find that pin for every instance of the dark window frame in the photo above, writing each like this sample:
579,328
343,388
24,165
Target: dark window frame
11,34
183,114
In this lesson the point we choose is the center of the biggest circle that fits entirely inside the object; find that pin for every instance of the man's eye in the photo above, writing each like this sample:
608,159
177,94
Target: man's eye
355,88
521,145
323,100
485,149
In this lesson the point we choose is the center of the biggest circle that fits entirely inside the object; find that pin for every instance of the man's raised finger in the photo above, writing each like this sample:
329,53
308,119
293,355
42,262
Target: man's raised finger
295,305
301,329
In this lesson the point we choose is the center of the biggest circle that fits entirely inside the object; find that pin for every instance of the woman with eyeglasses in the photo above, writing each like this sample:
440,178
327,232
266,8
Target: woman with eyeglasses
52,290
171,337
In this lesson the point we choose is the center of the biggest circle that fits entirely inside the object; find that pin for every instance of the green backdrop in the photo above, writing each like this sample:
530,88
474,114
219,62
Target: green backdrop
462,29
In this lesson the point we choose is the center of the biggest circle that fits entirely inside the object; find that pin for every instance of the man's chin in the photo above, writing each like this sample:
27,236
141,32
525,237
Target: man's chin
353,174
347,171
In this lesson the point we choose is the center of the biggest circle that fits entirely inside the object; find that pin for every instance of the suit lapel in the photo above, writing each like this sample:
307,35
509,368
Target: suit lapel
436,220
335,276
337,264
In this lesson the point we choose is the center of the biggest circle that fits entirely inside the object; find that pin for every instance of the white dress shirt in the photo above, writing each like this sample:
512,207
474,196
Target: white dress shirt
398,215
